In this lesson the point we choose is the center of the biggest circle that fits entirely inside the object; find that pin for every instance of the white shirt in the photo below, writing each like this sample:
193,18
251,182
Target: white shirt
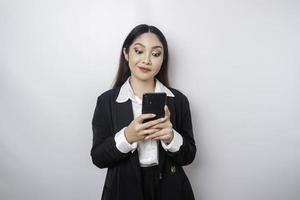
148,150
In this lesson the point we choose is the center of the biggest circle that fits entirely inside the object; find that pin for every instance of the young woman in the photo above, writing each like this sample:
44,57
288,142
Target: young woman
144,160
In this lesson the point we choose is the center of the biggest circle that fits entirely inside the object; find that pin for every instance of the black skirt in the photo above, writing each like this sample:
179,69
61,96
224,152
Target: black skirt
150,183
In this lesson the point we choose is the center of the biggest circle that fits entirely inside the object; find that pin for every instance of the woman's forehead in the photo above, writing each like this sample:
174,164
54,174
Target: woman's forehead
147,40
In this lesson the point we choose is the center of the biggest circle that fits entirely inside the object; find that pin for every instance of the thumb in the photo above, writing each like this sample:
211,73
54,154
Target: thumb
167,111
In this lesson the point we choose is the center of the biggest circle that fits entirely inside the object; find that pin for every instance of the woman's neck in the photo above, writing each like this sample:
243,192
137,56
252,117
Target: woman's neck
140,87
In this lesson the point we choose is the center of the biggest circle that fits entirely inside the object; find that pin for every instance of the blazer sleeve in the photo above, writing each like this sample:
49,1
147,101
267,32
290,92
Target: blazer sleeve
104,152
187,150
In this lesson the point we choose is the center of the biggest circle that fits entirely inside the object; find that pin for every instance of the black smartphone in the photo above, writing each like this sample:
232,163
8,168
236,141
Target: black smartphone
154,103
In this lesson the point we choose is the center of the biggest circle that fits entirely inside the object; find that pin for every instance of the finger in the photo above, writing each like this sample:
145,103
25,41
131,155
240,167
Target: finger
151,123
154,135
166,137
142,117
163,137
166,123
147,132
167,111
161,125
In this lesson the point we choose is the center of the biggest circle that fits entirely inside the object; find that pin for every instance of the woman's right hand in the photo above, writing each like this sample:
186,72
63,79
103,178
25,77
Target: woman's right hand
137,130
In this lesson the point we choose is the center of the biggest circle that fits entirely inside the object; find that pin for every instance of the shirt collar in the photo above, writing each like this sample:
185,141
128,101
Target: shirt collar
126,91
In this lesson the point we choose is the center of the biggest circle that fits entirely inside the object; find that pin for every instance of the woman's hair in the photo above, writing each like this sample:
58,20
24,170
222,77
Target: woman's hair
124,71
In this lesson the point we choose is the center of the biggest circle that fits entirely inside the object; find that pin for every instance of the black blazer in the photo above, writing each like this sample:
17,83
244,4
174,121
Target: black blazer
123,178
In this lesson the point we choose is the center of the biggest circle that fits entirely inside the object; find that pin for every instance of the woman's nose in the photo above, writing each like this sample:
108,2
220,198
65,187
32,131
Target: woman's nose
147,60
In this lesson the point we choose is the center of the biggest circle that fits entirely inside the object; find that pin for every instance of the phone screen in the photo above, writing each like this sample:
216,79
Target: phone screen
154,103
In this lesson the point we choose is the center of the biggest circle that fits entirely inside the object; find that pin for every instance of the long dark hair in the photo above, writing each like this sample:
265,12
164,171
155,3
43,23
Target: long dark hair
124,71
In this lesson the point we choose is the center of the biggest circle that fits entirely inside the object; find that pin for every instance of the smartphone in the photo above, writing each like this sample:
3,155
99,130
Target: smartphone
154,103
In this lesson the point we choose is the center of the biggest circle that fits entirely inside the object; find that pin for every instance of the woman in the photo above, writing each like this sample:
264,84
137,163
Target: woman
144,160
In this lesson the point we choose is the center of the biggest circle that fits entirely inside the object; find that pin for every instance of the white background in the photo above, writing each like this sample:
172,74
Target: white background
236,60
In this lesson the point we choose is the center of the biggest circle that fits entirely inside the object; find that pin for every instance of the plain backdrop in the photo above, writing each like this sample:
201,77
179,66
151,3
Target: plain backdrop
236,60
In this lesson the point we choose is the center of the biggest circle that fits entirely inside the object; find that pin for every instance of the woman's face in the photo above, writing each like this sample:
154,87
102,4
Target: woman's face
145,57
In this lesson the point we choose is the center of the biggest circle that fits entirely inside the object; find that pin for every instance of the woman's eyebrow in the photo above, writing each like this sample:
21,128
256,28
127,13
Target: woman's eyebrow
154,47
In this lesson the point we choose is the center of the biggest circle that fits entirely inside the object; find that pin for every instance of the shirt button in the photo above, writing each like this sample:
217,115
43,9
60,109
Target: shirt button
173,169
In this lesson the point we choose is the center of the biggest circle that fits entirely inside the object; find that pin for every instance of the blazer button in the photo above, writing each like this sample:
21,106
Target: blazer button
173,169
160,176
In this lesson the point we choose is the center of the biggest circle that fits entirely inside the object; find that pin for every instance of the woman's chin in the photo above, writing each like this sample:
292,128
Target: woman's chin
144,77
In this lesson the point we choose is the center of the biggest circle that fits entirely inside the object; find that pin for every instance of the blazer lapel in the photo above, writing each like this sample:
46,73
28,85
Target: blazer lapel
123,117
162,152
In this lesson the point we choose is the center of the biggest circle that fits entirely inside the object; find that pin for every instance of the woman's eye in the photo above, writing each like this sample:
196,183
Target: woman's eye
156,54
138,51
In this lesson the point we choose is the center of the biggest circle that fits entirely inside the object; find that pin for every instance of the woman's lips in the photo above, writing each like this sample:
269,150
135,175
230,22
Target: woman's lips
143,69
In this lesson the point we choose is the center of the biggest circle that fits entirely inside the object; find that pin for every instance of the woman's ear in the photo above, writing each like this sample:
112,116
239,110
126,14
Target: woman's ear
125,54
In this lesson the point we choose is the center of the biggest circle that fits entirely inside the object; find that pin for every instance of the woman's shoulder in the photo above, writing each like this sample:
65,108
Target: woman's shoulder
109,94
178,93
180,100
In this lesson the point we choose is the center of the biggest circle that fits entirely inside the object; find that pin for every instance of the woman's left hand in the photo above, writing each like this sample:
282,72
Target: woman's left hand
166,129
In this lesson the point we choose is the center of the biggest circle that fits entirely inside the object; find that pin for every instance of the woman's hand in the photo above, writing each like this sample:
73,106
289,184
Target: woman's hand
165,127
137,130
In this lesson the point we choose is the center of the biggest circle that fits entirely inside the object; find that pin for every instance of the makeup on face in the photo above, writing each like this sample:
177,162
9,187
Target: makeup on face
145,56
156,51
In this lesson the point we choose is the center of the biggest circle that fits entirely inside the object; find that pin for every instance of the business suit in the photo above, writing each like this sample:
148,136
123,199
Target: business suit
123,179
